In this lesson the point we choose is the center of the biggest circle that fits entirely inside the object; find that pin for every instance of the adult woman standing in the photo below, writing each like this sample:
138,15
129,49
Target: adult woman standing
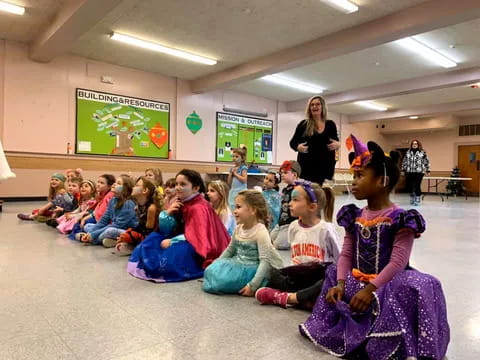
415,164
316,140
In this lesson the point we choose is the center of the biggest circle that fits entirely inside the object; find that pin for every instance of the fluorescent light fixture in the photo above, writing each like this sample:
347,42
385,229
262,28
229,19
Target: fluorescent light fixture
160,48
314,89
413,117
371,105
427,52
11,8
343,5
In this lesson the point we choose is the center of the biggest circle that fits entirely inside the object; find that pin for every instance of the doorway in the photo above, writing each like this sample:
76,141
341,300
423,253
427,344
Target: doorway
469,165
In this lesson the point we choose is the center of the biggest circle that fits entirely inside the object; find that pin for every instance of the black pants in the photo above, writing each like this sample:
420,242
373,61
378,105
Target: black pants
414,182
306,280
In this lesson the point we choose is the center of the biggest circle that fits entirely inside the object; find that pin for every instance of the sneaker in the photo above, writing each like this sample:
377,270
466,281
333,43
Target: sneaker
109,242
412,199
25,217
269,296
78,236
123,249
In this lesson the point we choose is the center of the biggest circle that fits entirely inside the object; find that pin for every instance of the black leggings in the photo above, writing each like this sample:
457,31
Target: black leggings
414,182
306,281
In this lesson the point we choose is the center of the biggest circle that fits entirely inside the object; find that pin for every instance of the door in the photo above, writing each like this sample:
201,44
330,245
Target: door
469,165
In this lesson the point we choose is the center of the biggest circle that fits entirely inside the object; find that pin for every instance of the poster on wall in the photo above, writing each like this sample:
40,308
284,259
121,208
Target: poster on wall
236,130
110,124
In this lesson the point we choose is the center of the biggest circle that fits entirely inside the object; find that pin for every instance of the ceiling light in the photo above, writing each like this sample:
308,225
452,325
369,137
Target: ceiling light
314,89
163,49
11,8
343,5
427,52
413,117
371,105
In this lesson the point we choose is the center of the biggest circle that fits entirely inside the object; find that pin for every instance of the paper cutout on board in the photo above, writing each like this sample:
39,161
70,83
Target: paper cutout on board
122,122
194,122
266,142
158,135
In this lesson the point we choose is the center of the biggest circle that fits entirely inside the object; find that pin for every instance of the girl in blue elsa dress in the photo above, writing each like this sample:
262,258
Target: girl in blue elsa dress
272,197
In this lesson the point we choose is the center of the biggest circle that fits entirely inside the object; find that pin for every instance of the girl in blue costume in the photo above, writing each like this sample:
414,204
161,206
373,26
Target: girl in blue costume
190,236
247,262
237,178
272,197
373,305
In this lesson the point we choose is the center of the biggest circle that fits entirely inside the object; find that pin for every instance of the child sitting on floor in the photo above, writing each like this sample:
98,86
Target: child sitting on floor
217,195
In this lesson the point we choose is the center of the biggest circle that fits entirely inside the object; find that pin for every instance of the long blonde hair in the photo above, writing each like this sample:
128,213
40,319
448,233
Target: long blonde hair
256,201
310,129
221,188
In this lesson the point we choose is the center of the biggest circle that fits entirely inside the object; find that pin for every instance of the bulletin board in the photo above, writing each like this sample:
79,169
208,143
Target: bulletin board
236,130
111,124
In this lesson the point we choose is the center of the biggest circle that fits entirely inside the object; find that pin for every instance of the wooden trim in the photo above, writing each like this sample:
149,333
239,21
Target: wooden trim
21,160
52,161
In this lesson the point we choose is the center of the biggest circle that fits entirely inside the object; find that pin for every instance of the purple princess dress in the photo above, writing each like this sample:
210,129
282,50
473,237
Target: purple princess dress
407,317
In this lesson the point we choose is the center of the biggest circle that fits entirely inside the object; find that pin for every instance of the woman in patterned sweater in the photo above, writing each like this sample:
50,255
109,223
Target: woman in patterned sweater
415,165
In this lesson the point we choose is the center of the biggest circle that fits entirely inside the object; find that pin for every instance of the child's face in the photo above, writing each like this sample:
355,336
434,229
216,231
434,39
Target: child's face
243,213
73,187
288,177
365,183
170,191
55,183
102,185
269,182
184,188
150,175
85,189
214,196
138,190
117,187
300,206
237,159
70,175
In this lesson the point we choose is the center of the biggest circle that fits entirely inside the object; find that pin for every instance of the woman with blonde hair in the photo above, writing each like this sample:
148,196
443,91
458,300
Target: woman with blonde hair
315,140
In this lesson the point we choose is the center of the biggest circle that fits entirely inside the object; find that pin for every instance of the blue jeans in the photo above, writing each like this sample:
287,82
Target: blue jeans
108,232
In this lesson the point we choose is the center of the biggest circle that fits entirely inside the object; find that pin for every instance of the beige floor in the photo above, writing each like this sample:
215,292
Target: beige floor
61,300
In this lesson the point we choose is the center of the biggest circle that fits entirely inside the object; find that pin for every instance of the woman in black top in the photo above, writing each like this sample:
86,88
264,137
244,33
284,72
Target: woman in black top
316,140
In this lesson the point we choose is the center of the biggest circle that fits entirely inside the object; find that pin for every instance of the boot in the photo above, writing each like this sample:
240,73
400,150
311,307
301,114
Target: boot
417,201
412,199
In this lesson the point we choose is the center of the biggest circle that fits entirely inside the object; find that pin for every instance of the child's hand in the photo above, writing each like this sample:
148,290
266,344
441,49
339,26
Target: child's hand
246,291
165,243
175,207
58,209
362,299
335,294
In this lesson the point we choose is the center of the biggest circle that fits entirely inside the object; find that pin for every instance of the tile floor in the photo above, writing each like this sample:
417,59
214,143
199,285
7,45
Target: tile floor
61,300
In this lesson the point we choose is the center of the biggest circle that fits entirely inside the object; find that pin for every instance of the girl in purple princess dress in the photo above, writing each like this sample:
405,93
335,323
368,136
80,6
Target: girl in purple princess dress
373,305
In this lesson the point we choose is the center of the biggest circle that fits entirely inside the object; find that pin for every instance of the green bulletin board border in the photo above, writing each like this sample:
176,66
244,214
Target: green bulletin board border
120,156
239,115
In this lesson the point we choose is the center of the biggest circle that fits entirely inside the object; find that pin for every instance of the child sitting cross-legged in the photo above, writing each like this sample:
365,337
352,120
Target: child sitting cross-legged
314,245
